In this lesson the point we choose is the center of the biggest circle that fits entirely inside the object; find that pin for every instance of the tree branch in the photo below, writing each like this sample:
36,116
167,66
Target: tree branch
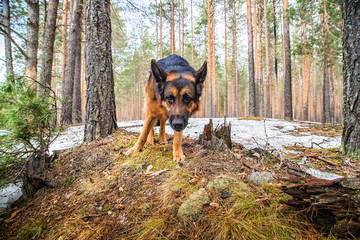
15,43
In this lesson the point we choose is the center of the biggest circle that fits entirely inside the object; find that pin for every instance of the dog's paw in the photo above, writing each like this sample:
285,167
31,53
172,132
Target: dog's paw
131,151
163,142
179,158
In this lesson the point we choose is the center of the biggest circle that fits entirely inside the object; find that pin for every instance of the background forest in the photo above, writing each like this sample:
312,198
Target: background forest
216,31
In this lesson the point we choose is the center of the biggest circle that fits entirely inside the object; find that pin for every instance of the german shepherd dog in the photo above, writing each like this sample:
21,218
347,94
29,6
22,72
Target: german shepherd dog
172,92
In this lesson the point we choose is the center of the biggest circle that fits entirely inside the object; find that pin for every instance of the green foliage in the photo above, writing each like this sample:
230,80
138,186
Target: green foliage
27,124
31,230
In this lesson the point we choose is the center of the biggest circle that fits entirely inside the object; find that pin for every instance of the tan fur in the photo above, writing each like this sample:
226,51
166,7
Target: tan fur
156,110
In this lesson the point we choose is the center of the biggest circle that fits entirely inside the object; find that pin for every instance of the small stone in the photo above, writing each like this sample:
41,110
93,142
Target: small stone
225,194
237,156
193,181
261,178
214,205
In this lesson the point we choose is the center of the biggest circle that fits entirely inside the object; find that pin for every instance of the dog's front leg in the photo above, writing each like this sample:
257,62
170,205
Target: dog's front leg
177,148
148,124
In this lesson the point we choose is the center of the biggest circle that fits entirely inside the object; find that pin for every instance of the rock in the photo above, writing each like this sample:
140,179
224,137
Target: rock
225,194
237,156
261,178
191,207
220,182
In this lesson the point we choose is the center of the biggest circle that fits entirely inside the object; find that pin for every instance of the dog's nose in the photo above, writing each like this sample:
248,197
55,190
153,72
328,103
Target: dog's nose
178,124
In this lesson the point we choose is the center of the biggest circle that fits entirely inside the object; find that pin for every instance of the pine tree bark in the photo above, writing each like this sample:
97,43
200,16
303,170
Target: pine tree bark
226,73
275,92
234,65
100,118
67,89
261,76
351,69
288,114
172,28
76,108
48,51
32,43
192,34
64,35
268,66
161,39
8,48
252,99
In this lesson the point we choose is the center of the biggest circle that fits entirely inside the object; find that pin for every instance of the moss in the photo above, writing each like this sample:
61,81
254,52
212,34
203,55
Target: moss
192,207
31,230
221,182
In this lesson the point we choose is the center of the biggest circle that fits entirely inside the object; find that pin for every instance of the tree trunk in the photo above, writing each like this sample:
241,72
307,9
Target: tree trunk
252,99
210,77
8,49
260,71
32,42
172,29
48,51
100,118
326,94
157,30
64,35
225,74
192,34
161,39
275,93
76,108
179,9
67,89
234,65
351,69
268,66
288,114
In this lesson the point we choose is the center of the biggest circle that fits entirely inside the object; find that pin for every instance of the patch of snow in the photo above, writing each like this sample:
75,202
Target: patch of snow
322,175
9,194
73,136
252,133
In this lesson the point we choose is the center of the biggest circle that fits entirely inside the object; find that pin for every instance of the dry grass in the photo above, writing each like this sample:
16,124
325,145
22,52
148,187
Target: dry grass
112,196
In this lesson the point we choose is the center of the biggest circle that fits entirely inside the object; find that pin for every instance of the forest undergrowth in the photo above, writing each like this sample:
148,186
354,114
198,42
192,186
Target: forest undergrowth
99,193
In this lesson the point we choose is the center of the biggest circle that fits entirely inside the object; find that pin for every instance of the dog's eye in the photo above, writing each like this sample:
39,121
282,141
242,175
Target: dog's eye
170,99
187,99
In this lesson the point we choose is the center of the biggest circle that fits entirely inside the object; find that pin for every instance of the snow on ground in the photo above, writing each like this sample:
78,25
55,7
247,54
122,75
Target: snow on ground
250,133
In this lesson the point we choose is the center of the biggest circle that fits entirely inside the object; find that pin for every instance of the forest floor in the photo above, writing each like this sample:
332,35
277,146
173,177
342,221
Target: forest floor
99,193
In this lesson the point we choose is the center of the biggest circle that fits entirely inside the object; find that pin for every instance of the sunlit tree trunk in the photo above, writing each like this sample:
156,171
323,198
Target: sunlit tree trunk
157,29
261,83
225,74
234,65
48,50
268,88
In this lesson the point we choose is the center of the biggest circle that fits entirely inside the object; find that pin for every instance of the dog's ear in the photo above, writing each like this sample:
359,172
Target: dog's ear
200,77
158,74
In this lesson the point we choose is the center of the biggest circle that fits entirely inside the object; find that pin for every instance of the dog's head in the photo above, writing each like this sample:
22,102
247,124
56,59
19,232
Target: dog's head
180,93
